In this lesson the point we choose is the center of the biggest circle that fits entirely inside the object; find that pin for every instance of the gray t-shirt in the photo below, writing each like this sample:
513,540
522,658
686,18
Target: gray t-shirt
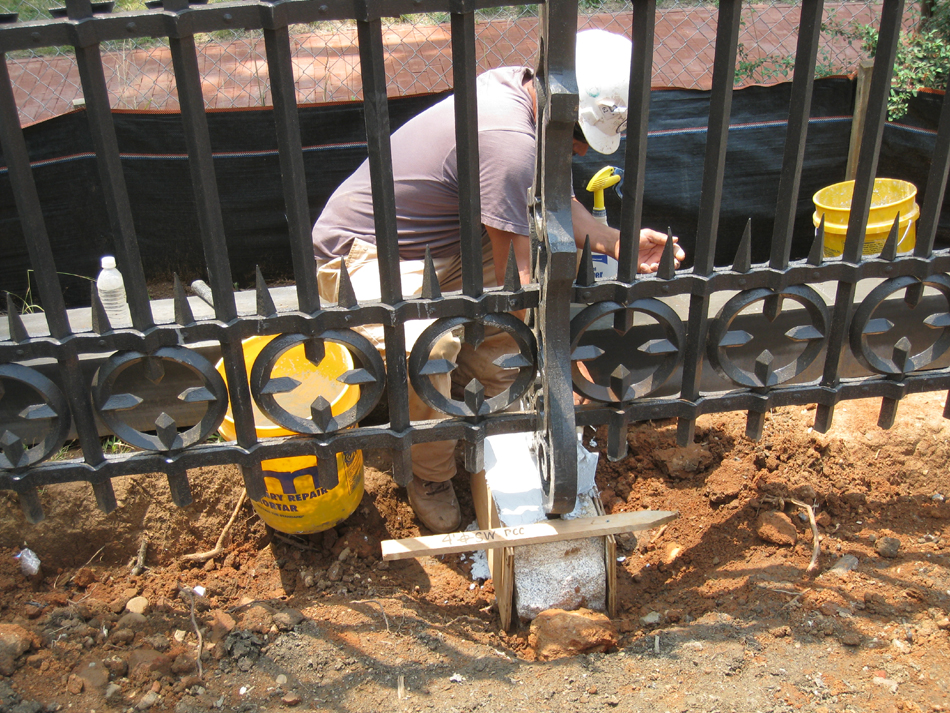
425,172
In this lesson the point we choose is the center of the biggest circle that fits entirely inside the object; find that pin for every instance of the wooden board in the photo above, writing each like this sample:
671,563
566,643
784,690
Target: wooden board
501,560
549,531
610,565
862,92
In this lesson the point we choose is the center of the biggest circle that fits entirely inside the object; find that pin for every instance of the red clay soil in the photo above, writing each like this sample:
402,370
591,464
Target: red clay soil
712,617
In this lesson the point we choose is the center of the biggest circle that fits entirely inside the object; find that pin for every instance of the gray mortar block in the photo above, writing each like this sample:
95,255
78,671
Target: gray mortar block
562,575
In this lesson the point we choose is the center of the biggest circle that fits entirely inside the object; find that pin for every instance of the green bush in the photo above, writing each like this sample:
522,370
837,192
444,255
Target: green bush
922,62
923,57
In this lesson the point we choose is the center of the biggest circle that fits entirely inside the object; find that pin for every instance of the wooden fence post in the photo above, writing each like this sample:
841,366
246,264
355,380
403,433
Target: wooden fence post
860,111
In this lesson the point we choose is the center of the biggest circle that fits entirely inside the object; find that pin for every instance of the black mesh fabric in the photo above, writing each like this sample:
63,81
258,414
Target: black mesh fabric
244,143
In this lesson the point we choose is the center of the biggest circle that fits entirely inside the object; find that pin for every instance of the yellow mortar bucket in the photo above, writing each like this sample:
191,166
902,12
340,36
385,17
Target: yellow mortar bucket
890,197
295,503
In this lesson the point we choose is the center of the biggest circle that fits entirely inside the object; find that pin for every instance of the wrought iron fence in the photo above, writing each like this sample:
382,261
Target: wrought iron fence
858,306
865,313
417,50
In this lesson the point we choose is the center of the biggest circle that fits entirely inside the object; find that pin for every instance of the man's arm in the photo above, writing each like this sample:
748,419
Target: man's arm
606,240
501,241
603,239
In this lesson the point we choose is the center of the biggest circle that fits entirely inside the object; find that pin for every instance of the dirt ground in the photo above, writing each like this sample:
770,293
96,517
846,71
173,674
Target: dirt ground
711,616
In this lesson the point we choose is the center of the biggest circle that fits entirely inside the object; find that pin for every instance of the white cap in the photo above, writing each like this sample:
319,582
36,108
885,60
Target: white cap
603,80
108,262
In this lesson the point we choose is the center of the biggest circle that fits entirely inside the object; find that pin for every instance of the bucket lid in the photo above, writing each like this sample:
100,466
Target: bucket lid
315,380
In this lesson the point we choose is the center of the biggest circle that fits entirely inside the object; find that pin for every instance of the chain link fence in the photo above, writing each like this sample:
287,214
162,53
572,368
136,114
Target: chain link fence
326,57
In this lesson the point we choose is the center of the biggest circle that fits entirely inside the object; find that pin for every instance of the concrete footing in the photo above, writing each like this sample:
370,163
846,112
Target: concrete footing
531,578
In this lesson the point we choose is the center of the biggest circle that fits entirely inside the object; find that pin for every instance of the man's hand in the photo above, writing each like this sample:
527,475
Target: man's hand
651,250
606,240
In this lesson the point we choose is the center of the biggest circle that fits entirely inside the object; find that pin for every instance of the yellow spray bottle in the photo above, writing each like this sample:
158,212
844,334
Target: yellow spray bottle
605,266
602,180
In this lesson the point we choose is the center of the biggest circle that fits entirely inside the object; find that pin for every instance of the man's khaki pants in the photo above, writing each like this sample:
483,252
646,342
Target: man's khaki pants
430,461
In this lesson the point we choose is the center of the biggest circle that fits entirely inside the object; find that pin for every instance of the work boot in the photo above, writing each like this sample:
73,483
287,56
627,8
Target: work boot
435,504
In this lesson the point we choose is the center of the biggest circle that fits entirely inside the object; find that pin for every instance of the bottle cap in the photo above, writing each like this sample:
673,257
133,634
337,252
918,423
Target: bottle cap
108,262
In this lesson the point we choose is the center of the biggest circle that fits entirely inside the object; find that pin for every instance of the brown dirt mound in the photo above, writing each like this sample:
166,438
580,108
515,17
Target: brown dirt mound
712,617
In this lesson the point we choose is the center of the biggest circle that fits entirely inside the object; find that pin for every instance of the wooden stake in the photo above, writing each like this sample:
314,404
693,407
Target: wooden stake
860,114
610,564
535,533
501,561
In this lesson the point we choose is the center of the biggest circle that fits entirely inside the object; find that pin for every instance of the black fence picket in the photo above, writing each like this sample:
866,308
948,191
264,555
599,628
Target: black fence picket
767,330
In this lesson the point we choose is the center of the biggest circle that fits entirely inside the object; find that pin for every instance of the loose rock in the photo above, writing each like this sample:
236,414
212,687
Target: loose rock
183,664
257,619
725,483
84,577
876,603
681,463
777,528
137,605
121,636
147,701
14,642
287,619
74,684
132,620
851,638
806,493
159,642
556,633
112,690
900,646
149,661
888,546
117,665
290,699
887,683
844,565
94,673
222,624
117,606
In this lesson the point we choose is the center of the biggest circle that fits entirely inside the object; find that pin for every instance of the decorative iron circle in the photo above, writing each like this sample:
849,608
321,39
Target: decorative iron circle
525,361
370,377
814,334
13,453
167,438
672,328
862,325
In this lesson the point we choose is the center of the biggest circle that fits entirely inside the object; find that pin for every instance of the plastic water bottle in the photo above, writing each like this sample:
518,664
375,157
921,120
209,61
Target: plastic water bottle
111,290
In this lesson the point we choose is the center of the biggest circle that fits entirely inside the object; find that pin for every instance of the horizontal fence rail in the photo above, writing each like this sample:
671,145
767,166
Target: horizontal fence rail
775,334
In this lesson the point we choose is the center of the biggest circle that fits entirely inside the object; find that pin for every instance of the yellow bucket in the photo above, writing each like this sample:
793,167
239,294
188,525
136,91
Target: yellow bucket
295,503
890,197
